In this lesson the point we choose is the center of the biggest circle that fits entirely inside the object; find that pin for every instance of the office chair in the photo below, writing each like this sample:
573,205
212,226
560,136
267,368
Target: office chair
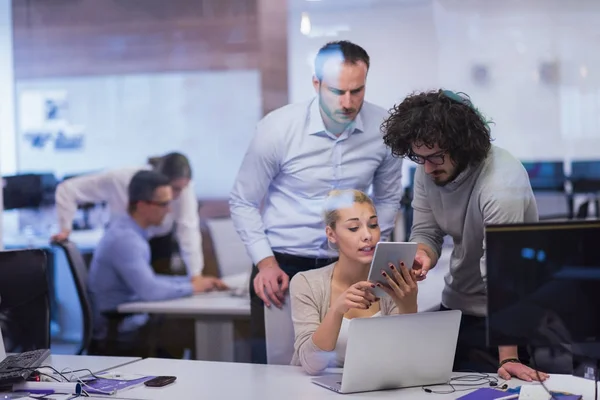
79,269
548,180
585,179
279,333
24,300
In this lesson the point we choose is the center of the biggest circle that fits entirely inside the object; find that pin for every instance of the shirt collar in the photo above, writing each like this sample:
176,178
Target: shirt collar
316,125
131,222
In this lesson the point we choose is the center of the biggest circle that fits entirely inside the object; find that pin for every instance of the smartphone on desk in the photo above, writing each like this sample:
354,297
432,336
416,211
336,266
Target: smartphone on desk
160,381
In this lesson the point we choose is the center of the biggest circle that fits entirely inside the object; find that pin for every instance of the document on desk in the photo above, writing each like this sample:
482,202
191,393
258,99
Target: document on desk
237,282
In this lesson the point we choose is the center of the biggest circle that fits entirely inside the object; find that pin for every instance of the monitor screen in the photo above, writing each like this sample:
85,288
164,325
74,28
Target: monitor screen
546,175
28,190
543,283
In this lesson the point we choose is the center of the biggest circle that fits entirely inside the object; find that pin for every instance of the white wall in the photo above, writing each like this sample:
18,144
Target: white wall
209,116
428,44
8,161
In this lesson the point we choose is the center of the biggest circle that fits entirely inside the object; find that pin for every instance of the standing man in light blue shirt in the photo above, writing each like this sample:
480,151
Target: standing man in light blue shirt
299,153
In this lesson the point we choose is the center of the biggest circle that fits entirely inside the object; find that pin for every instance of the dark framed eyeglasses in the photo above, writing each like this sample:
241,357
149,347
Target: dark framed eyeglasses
435,159
162,204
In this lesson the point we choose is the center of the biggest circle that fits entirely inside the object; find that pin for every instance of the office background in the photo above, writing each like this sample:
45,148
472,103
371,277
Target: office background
89,85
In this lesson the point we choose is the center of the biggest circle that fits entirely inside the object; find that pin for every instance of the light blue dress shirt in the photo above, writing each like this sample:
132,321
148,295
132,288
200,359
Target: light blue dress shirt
290,167
121,272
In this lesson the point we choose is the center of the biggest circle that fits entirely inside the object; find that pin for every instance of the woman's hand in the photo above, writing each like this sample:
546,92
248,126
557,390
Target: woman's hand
356,296
402,288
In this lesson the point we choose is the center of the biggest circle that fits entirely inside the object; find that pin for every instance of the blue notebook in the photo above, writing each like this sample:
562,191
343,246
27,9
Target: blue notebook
485,394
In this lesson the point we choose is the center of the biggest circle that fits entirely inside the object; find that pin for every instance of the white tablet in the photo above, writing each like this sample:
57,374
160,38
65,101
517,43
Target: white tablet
390,252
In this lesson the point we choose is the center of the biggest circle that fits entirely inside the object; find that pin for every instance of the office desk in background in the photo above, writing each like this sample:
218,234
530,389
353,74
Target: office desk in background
214,317
213,380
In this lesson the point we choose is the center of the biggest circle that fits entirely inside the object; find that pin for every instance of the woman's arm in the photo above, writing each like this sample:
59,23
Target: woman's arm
307,319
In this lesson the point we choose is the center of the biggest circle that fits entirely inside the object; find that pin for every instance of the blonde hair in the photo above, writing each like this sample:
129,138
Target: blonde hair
337,199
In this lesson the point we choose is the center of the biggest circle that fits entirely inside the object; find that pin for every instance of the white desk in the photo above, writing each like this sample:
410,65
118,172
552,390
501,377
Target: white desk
214,380
214,315
94,363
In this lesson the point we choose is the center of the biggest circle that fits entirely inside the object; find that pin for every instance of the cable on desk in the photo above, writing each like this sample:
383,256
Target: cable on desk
531,350
469,381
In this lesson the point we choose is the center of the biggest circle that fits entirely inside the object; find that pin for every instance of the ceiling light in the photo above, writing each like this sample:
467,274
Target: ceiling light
305,24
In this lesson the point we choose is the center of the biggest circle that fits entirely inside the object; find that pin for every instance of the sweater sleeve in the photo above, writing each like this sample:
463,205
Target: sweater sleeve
506,202
306,319
425,228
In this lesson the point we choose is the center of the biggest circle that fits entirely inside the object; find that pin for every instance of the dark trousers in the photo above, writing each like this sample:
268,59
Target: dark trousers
291,265
472,352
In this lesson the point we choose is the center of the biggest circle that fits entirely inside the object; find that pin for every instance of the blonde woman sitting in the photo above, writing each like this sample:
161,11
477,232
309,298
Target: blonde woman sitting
324,300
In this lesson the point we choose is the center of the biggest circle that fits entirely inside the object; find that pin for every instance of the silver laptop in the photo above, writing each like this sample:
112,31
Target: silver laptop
397,351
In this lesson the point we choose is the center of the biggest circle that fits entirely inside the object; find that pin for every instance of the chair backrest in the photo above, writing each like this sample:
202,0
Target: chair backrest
79,269
585,176
279,333
229,249
25,300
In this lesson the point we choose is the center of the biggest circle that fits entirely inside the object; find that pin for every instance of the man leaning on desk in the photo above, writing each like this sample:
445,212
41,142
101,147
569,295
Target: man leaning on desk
121,272
110,186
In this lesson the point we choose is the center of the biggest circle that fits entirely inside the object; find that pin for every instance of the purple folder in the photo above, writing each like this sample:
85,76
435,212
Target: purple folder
484,394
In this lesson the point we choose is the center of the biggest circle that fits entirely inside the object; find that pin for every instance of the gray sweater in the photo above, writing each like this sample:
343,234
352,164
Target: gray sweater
496,191
310,294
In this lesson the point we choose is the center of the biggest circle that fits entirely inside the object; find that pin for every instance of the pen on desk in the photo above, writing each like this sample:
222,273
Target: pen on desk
510,396
41,391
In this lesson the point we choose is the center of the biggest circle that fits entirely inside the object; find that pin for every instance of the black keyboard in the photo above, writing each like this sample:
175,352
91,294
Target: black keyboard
17,367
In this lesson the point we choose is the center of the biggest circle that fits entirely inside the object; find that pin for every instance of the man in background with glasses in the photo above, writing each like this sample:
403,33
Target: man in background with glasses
461,184
121,273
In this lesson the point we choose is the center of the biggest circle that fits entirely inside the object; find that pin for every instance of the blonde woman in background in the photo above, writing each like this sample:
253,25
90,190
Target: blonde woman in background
325,299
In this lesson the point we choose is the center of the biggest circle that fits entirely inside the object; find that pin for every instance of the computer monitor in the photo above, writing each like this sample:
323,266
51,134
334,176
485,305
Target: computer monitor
546,176
28,190
543,283
24,300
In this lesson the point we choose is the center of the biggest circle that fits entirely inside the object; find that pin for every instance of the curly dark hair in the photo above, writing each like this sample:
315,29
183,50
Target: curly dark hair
438,117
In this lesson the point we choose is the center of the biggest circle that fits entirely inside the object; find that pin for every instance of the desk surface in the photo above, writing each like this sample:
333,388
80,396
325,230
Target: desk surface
214,380
86,240
94,363
224,304
205,304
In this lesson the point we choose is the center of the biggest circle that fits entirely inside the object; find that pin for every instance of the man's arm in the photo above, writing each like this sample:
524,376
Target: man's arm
425,229
187,231
259,167
93,188
387,193
132,261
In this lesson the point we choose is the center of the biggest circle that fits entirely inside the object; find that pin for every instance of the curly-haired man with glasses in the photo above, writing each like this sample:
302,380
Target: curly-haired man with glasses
461,184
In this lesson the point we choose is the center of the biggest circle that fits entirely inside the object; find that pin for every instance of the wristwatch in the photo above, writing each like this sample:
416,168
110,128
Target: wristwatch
509,360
